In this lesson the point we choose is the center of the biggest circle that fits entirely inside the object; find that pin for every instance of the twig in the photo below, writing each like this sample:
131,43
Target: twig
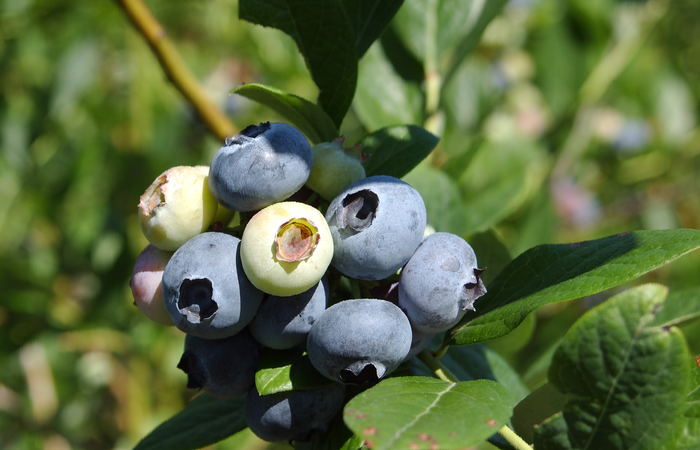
175,68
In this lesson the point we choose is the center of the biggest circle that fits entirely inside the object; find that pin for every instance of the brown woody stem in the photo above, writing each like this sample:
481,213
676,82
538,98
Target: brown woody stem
175,68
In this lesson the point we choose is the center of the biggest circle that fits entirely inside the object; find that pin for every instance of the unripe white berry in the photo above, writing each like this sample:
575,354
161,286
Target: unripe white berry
286,248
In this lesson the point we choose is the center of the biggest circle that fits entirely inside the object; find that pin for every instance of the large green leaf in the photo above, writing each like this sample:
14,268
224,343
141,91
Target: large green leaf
324,34
286,370
553,435
554,273
383,98
626,380
309,118
680,307
368,18
688,435
423,413
396,150
203,422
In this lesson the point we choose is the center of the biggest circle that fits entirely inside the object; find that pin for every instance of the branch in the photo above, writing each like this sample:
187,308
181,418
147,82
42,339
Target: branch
175,68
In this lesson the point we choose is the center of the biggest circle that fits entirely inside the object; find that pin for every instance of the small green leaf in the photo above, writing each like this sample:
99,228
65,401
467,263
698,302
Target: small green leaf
369,18
420,412
287,370
323,32
627,381
396,150
383,98
309,118
554,273
679,308
535,409
202,422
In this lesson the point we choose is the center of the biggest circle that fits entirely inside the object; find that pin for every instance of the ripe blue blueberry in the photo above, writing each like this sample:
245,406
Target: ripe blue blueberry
261,165
292,414
223,368
376,225
361,340
205,289
284,322
440,283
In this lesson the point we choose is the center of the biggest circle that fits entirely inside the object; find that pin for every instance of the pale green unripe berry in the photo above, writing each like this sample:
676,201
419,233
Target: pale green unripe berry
176,207
286,248
335,168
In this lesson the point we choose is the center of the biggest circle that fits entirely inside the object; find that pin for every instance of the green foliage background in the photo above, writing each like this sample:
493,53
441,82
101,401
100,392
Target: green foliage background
543,141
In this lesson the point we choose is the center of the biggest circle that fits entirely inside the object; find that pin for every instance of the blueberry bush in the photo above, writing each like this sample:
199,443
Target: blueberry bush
418,224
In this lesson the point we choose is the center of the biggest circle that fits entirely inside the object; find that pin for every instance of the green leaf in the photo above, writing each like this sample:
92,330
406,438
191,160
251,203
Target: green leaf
626,380
202,422
535,409
287,370
369,18
383,98
323,32
306,116
554,273
420,412
443,201
501,178
552,434
489,10
480,362
396,150
679,308
688,434
452,23
491,254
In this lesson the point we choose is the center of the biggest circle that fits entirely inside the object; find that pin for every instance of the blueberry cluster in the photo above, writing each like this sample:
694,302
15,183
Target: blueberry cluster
265,282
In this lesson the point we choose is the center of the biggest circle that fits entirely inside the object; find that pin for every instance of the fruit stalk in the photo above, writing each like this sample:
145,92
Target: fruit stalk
175,68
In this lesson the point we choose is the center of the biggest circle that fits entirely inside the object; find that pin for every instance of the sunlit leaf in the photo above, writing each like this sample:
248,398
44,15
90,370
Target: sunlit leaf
309,118
286,370
417,412
554,273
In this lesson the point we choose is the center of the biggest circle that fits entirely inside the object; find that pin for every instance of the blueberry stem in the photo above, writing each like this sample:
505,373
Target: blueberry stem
443,373
513,439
